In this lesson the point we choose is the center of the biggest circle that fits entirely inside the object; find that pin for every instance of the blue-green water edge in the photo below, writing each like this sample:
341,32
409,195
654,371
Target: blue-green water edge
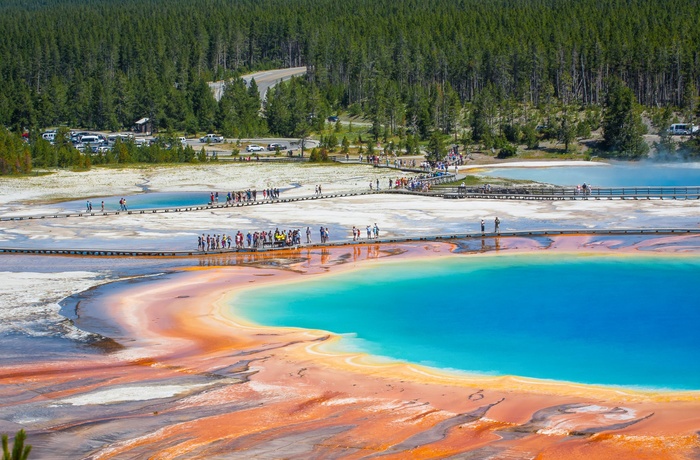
622,321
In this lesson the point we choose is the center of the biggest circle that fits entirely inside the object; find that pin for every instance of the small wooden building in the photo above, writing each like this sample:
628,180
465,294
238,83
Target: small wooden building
143,126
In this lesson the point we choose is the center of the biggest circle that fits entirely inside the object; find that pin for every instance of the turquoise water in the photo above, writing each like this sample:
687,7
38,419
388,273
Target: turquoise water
615,175
612,321
145,201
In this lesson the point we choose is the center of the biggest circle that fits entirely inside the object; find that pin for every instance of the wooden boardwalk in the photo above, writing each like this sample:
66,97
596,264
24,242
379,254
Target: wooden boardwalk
570,193
389,240
502,193
178,209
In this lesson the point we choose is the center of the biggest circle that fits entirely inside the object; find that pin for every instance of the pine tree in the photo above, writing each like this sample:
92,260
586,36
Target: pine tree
436,147
622,124
19,451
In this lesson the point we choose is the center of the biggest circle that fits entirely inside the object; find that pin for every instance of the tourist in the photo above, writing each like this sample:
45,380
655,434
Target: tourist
103,206
354,236
376,230
483,227
323,235
369,232
308,235
497,226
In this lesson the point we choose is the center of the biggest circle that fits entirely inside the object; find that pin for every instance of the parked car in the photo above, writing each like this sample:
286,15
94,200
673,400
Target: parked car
77,136
112,138
683,129
211,138
183,141
333,119
276,146
254,148
90,139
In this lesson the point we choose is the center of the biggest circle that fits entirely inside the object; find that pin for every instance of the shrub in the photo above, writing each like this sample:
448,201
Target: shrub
508,151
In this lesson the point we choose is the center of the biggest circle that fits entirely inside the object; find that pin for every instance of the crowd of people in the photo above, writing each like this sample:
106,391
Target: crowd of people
276,238
244,196
584,189
496,226
257,239
404,163
419,183
88,206
372,232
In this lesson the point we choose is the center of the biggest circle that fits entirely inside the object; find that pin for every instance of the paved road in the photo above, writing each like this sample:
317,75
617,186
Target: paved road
265,80
289,143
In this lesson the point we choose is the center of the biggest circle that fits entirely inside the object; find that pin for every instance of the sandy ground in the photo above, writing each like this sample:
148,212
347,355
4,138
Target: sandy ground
186,380
67,185
191,381
396,215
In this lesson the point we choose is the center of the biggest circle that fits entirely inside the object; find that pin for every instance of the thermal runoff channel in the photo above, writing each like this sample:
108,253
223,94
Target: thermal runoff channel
622,320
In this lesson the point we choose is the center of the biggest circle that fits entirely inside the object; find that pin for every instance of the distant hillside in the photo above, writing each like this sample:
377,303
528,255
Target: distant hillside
105,63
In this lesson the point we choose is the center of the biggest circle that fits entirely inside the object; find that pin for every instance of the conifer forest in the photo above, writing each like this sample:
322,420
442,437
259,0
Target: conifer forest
418,65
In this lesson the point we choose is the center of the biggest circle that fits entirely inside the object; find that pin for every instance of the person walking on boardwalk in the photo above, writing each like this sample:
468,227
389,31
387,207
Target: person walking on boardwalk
497,226
308,235
354,233
376,230
369,232
483,227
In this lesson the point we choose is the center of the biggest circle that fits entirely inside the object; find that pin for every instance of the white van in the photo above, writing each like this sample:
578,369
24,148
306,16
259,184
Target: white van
49,136
90,139
112,138
683,129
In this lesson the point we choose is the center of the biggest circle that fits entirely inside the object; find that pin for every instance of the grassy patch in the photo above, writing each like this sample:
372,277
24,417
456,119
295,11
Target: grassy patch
471,181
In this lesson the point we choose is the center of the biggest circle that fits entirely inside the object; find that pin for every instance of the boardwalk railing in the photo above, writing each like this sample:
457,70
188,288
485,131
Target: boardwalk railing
502,193
387,240
177,209
570,192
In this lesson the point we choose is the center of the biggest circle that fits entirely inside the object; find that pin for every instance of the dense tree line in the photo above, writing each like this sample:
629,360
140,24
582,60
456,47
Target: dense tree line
18,156
15,156
411,64
104,63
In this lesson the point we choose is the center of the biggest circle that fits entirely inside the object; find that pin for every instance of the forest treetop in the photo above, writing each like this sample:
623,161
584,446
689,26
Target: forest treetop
407,66
104,63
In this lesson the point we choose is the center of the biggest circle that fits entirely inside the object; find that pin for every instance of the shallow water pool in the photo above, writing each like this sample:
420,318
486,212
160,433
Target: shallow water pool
628,321
613,175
